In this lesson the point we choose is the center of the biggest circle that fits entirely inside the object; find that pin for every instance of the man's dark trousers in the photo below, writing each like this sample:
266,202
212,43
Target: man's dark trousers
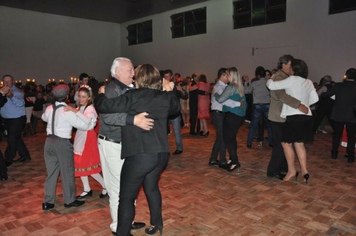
14,140
193,121
278,160
217,118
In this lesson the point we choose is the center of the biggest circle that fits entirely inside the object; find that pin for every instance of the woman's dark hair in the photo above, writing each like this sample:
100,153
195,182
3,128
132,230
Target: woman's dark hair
284,60
94,85
270,73
147,76
300,68
321,82
202,78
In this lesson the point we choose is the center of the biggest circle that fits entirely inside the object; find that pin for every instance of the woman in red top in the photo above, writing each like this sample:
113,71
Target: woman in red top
203,104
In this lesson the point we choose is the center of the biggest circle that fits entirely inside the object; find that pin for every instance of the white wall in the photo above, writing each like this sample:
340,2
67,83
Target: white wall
41,46
325,42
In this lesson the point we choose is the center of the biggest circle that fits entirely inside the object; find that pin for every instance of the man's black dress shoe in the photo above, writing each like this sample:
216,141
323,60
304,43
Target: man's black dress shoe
211,163
176,152
21,159
350,159
47,206
278,176
193,133
3,176
88,194
224,166
205,134
137,225
103,195
76,203
249,146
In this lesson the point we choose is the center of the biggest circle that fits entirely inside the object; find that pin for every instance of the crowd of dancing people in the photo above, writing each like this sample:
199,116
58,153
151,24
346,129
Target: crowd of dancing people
121,127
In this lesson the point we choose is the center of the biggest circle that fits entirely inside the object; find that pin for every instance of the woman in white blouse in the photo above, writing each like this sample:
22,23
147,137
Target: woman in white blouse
298,126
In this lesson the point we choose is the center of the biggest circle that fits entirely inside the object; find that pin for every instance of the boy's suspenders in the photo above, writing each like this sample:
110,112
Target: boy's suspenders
53,115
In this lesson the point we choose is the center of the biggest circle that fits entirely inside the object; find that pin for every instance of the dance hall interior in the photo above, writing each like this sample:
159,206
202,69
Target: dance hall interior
51,42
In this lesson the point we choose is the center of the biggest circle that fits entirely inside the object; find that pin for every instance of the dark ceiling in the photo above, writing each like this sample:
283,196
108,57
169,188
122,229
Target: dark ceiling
103,10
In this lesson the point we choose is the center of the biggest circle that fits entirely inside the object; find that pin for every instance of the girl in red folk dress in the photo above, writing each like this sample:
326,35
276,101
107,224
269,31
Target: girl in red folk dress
86,153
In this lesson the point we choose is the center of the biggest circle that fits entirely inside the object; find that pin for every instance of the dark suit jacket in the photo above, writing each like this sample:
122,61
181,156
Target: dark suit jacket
158,104
345,101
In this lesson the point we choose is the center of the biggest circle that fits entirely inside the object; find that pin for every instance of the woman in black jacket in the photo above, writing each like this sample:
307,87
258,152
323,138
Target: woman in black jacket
145,152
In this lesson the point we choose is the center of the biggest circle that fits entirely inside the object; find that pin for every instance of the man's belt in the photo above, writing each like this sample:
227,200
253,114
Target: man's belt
107,139
216,111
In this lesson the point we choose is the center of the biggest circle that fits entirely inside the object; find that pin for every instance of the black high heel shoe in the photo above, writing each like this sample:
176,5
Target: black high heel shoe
306,177
154,229
296,176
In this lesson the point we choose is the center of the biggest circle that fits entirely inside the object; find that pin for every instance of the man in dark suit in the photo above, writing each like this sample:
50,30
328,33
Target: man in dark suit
343,114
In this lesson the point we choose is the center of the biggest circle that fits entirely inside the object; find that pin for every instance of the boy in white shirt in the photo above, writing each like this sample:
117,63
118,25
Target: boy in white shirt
58,150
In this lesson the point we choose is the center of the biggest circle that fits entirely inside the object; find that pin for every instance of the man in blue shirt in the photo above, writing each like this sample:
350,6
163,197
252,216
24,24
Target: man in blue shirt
14,117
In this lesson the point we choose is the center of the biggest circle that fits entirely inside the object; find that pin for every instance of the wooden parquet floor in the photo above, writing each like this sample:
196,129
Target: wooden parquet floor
198,199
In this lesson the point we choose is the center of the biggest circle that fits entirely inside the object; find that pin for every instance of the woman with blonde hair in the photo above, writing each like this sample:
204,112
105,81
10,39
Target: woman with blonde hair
234,116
